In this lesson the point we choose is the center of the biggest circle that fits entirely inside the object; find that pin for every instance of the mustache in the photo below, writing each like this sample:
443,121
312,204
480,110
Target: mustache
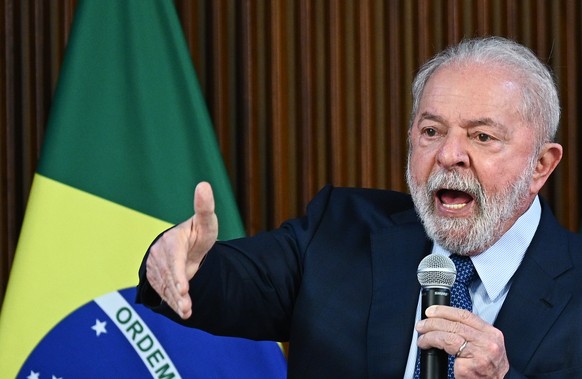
453,180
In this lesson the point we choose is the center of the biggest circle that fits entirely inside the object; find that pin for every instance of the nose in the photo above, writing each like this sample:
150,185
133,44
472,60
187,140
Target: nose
453,152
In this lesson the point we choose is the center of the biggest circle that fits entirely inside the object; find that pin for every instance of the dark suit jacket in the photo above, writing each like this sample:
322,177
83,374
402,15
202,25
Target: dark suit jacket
340,284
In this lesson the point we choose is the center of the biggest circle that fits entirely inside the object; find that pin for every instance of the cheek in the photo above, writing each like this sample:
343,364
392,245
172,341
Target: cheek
421,164
499,174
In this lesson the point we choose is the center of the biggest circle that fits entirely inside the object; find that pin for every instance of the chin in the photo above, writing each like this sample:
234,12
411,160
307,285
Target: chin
462,236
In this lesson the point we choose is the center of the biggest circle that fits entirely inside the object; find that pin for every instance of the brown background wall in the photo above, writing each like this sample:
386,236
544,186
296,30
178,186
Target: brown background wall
301,92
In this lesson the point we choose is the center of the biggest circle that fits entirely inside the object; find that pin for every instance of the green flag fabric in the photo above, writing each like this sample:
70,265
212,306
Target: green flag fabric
127,140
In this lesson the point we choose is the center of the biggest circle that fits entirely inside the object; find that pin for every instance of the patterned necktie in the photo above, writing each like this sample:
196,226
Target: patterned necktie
460,298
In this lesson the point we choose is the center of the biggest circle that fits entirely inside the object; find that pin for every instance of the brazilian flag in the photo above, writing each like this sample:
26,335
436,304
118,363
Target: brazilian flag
127,140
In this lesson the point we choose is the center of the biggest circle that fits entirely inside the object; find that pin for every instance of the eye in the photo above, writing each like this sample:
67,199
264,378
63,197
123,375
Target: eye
429,132
482,137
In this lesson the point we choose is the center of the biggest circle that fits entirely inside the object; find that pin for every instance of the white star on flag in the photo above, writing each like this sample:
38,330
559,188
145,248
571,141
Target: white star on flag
33,375
99,327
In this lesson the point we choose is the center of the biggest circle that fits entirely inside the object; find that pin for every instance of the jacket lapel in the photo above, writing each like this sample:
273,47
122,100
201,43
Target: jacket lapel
536,298
396,253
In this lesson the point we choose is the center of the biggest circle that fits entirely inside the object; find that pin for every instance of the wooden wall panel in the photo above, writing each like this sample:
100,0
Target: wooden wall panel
301,92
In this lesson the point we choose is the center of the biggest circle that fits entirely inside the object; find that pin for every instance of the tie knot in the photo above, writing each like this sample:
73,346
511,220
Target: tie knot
465,269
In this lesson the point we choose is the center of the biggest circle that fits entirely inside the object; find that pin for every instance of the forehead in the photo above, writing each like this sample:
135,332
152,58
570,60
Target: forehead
472,90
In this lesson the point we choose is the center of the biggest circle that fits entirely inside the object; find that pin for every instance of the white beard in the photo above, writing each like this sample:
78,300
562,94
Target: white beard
473,234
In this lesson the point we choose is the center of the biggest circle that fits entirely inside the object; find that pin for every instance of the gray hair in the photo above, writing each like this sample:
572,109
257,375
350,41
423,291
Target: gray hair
540,106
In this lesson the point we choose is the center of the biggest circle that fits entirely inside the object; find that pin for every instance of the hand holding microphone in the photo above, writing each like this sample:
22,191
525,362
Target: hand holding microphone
444,330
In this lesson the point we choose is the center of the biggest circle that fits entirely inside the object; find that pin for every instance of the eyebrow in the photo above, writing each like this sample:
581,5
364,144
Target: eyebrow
485,121
431,117
488,121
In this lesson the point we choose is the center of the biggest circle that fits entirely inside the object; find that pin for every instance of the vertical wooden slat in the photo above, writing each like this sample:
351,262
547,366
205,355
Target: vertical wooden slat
221,101
421,44
454,20
308,163
28,140
279,104
41,75
192,15
379,38
570,101
366,98
323,100
496,19
468,18
337,84
483,16
253,183
399,56
349,93
439,26
556,186
542,43
251,213
511,20
526,15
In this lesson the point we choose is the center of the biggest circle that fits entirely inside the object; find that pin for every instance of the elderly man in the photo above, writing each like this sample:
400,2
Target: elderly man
340,283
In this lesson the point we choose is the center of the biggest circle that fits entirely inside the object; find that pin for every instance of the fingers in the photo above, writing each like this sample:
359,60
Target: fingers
166,270
441,334
456,314
447,328
480,347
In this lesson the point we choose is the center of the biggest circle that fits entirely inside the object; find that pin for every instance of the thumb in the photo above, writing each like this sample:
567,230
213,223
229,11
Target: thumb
204,226
203,200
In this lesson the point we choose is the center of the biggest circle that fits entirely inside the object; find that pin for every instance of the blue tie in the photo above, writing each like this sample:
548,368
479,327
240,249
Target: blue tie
460,298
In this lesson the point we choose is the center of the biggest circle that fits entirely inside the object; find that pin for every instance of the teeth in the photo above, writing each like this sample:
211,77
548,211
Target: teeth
454,206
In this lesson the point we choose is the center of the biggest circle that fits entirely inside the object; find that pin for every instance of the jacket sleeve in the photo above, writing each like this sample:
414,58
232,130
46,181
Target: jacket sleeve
247,287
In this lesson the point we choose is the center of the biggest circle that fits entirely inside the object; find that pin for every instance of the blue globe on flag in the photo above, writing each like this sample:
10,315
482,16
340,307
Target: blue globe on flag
112,337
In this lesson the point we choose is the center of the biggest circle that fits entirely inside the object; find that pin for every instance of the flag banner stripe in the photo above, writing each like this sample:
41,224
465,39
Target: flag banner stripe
141,338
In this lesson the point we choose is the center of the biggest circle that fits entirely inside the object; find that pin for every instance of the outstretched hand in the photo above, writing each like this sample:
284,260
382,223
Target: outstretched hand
176,256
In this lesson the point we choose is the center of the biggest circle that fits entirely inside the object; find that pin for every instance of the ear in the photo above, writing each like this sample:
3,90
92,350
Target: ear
549,157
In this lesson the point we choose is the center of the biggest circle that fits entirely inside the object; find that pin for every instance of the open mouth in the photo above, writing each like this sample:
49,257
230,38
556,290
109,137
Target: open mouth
453,199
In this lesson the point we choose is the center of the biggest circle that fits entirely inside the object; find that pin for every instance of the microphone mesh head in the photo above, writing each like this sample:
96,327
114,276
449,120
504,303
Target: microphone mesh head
436,271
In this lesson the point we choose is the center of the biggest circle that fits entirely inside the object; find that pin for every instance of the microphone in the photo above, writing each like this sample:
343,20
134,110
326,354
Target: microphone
436,275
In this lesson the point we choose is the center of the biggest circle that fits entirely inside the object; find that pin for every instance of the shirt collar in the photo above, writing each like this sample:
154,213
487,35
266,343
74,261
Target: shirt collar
509,249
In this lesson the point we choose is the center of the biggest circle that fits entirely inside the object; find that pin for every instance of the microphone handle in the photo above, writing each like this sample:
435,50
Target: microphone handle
434,362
